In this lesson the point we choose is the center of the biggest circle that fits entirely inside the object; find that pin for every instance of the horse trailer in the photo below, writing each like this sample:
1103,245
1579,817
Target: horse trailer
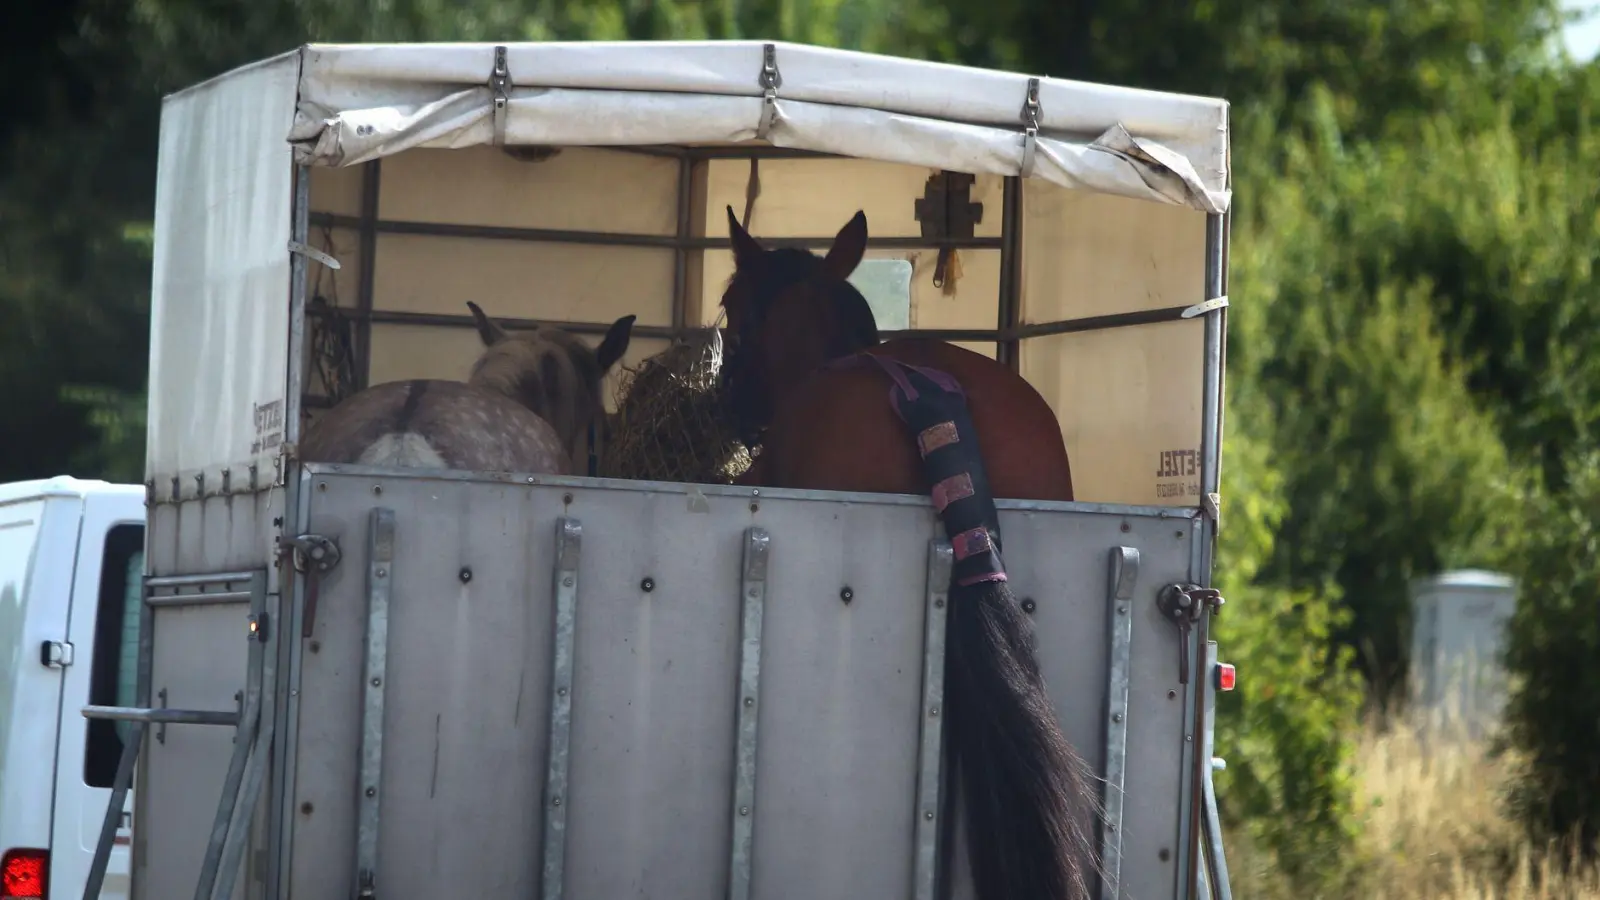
361,681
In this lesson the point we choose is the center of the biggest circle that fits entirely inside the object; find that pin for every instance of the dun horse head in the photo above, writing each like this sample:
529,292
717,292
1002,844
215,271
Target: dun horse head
553,373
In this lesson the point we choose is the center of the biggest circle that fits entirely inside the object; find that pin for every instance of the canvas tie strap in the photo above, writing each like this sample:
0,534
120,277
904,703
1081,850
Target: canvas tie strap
1030,127
500,90
770,80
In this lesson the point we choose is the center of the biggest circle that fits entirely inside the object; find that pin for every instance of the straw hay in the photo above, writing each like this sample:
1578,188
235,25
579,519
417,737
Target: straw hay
669,425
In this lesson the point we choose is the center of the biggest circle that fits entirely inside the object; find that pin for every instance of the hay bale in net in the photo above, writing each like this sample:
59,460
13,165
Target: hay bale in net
669,424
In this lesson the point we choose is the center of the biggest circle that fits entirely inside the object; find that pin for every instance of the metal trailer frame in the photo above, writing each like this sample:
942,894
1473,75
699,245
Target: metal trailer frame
264,724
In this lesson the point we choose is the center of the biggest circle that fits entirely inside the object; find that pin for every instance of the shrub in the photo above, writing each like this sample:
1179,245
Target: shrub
1553,652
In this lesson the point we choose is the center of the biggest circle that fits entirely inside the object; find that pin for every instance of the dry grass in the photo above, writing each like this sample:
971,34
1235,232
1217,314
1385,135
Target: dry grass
1434,825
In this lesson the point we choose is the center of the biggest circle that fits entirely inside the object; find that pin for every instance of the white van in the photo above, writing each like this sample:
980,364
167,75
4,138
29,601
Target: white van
71,566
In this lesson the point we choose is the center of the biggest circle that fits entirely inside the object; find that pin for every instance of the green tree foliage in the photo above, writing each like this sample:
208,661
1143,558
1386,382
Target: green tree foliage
1372,414
1284,729
1555,648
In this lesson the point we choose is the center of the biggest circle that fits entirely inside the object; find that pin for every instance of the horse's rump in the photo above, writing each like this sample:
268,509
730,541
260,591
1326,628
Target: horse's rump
837,430
435,424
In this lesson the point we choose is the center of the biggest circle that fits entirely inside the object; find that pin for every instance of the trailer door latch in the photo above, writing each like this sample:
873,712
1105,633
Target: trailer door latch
313,555
1184,604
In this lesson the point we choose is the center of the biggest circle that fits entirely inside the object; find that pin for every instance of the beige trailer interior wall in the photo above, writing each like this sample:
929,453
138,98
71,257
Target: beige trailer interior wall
577,189
814,198
1128,398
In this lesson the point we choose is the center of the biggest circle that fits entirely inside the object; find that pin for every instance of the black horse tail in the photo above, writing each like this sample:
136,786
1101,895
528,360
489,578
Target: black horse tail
1027,795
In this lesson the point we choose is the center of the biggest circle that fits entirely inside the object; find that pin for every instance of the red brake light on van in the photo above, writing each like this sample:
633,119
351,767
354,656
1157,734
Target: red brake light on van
22,874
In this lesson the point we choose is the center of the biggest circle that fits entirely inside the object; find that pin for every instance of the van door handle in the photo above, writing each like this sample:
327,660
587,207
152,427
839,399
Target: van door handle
55,654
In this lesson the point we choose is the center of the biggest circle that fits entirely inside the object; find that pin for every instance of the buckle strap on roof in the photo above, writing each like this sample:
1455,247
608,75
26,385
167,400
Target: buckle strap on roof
770,80
1030,127
500,86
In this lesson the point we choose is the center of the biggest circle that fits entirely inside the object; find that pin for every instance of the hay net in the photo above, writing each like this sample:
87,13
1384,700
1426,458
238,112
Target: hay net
670,424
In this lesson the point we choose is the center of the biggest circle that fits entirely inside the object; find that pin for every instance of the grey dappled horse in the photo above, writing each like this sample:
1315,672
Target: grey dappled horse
527,406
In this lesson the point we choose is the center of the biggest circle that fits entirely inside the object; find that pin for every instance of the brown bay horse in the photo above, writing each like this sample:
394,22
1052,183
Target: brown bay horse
527,406
832,408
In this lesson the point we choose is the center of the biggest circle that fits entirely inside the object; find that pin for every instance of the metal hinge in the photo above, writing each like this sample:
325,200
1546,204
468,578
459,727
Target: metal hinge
1211,506
55,654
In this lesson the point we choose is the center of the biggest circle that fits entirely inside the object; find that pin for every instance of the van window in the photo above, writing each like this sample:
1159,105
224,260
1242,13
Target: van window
113,678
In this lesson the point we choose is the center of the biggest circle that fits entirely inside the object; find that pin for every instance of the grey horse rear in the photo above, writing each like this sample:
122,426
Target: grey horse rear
529,405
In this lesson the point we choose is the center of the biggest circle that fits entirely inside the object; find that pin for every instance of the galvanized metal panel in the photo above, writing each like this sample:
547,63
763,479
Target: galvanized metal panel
199,659
930,755
650,794
466,703
842,715
654,697
1124,579
196,655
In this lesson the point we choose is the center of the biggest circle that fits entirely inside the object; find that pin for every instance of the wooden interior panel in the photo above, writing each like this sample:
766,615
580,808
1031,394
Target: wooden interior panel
1087,254
337,190
816,197
523,279
578,189
1129,402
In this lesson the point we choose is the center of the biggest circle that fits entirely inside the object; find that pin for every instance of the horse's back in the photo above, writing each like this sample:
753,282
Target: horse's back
839,431
435,424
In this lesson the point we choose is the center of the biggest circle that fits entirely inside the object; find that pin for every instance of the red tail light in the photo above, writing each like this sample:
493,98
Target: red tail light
23,874
1225,677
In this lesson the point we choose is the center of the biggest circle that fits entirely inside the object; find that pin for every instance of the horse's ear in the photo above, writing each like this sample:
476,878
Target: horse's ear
745,248
490,332
615,343
849,245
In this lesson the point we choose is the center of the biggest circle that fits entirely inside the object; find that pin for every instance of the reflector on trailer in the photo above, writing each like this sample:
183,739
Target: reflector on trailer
22,874
1225,677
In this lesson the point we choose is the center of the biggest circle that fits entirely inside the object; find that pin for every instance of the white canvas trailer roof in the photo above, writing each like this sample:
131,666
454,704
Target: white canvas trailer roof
363,102
226,207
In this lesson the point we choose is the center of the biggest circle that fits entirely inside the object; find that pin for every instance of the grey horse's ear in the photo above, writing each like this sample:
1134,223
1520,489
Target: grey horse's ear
490,332
615,343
